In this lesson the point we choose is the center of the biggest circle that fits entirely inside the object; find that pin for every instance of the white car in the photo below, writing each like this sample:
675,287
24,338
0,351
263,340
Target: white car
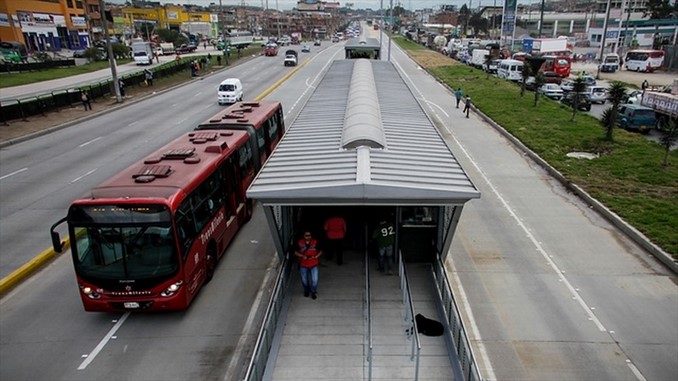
598,94
551,90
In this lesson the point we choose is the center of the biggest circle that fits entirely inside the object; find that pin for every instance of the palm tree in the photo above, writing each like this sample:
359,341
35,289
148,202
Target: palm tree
578,88
526,73
669,130
538,82
488,61
616,95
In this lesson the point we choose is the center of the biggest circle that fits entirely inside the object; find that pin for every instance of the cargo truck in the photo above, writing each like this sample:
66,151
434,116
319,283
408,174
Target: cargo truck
665,104
291,58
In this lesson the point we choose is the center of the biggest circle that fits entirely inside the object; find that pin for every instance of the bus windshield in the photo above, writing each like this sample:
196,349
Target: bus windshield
123,242
637,56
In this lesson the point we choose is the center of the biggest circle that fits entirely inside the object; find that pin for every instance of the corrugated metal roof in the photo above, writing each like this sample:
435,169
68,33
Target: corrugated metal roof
309,166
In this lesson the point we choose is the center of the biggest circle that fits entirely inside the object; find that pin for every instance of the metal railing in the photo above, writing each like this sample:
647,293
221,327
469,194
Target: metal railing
368,308
467,361
413,331
257,366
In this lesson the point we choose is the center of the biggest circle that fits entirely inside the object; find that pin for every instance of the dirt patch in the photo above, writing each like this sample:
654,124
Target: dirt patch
430,59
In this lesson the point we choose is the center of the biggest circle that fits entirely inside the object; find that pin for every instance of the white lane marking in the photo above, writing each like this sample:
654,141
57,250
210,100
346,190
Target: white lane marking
13,173
91,141
133,123
85,175
309,86
197,94
92,355
635,371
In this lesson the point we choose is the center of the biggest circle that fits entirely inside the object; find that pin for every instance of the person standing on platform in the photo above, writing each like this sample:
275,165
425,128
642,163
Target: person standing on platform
384,236
335,231
308,253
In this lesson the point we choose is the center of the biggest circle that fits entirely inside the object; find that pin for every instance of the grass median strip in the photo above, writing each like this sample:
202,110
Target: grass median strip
628,175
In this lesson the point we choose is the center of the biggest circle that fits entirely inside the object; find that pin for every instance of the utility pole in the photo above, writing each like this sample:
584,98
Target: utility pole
602,44
109,49
541,19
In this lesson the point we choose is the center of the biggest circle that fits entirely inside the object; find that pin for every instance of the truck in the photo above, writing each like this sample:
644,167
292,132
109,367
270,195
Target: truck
664,104
478,57
271,49
541,46
295,38
610,63
142,52
184,48
291,58
167,48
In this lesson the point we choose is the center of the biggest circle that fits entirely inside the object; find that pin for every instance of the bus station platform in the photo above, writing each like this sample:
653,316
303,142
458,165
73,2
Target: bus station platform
327,338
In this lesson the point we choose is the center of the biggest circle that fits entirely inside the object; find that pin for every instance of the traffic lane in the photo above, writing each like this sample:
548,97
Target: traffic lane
48,172
43,322
528,255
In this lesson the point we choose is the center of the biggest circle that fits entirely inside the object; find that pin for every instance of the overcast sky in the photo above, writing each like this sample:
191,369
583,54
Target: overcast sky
357,4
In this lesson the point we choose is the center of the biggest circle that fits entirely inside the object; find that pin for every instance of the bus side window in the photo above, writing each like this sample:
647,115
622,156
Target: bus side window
246,161
261,140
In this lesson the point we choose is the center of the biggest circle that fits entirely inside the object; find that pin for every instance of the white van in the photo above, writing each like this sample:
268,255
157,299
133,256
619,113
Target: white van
229,91
510,69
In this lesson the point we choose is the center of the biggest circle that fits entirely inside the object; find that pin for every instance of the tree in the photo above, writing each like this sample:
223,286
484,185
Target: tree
661,9
616,96
488,62
478,23
526,73
578,88
538,82
464,17
669,130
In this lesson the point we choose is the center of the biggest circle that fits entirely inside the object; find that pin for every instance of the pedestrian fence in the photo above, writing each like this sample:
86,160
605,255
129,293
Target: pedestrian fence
12,67
55,101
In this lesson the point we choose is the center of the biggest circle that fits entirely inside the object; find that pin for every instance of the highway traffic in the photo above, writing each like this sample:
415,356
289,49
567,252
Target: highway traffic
548,288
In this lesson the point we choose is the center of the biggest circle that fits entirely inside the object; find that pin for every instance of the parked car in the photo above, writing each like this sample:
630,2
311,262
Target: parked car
589,80
305,49
583,104
567,85
492,67
316,43
597,94
637,118
551,90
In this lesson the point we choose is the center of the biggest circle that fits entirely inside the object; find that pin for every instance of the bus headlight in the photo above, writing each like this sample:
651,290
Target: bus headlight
90,293
173,288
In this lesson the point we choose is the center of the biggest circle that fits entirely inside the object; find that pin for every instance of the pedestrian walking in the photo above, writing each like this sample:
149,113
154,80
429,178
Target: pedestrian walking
467,106
209,59
384,236
458,94
121,86
645,85
335,231
86,103
308,253
148,75
219,60
204,45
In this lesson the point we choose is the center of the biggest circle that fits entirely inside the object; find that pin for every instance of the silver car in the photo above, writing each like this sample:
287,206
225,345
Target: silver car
551,90
597,94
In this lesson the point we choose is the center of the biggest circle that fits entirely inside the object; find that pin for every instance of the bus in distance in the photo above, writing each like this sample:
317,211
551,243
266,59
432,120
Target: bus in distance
644,60
150,237
263,120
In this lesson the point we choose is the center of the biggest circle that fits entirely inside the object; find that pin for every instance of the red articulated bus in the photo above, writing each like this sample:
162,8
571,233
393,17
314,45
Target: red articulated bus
263,120
151,236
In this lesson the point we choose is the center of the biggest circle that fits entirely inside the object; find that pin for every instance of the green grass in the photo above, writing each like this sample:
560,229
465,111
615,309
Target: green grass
17,79
628,177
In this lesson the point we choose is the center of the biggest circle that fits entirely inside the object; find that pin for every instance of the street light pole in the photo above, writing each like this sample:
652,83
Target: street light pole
111,58
541,19
602,45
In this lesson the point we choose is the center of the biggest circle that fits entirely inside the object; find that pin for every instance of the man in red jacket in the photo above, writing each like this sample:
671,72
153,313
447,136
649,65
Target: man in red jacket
308,253
335,230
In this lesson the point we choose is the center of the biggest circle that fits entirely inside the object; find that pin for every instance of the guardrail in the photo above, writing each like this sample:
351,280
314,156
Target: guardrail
368,295
22,108
467,361
409,315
